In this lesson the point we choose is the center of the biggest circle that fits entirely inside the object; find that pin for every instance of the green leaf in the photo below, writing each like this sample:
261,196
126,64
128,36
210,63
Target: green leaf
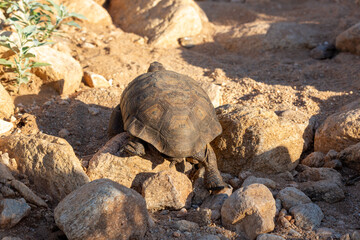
72,23
6,62
39,64
29,30
29,55
76,15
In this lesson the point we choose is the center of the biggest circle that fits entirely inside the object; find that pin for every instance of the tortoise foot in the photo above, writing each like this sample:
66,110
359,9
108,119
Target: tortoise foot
135,147
213,181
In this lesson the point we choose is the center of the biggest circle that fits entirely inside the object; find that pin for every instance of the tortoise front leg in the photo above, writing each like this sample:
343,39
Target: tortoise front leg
213,179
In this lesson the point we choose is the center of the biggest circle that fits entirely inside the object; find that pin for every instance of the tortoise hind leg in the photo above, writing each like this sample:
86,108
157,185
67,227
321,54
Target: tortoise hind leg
134,146
213,179
116,124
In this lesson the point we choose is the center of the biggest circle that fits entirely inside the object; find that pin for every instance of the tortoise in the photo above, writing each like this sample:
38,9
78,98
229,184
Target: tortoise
174,114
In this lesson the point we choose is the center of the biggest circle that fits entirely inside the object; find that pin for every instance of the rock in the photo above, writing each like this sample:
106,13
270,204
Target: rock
162,22
12,211
249,211
128,171
215,201
7,192
186,42
314,159
27,193
307,216
167,189
102,209
290,35
11,238
214,92
5,173
184,225
291,197
257,139
349,40
94,80
355,235
200,193
339,131
7,161
322,184
350,156
201,216
94,13
345,237
5,126
49,162
335,164
64,73
100,2
323,51
332,154
325,233
6,103
269,237
252,179
63,133
208,237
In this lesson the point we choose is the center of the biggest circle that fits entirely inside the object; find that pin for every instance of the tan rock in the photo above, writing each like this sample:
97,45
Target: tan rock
64,73
27,193
5,127
163,22
249,211
95,80
214,92
259,140
167,189
265,181
102,210
49,162
339,131
291,197
6,103
349,40
128,171
94,13
314,159
5,173
350,156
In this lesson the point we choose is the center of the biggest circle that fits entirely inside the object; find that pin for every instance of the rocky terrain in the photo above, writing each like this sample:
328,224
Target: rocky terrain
283,76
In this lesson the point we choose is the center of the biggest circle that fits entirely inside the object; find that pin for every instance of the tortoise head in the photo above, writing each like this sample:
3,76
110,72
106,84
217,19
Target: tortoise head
156,66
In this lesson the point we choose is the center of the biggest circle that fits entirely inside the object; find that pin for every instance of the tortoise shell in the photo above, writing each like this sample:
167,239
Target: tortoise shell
170,111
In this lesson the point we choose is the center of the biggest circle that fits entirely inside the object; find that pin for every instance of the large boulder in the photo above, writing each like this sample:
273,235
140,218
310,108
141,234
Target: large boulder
128,171
91,9
49,162
64,72
103,209
249,211
339,131
350,156
6,103
260,140
349,40
163,22
167,189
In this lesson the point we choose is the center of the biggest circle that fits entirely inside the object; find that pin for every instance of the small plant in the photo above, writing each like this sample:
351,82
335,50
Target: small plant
34,26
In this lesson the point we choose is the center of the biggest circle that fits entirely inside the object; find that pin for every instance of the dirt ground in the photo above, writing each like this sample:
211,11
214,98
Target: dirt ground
277,79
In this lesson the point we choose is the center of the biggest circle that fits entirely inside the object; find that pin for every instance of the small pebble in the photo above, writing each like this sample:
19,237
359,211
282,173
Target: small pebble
177,234
93,111
63,133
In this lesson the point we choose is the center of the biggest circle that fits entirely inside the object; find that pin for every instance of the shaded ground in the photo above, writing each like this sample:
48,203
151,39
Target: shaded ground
277,79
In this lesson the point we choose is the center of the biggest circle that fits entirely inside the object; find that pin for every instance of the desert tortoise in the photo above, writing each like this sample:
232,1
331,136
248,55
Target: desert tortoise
172,113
